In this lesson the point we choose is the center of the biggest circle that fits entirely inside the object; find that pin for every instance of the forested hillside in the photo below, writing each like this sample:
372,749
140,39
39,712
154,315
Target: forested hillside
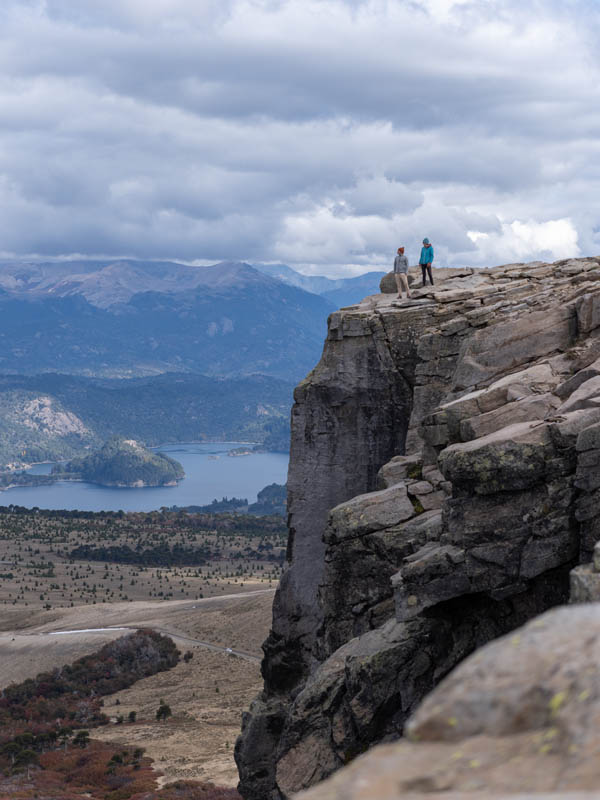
51,417
123,462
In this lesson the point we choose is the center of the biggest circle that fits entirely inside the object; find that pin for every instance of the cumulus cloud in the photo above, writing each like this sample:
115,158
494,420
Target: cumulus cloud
322,133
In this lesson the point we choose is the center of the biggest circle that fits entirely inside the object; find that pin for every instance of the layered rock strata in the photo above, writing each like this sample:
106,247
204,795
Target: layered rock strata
442,485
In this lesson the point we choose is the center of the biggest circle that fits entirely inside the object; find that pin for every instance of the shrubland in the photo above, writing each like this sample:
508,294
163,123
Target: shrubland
45,744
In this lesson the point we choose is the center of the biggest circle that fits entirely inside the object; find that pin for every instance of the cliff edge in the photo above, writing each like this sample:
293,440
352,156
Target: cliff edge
442,486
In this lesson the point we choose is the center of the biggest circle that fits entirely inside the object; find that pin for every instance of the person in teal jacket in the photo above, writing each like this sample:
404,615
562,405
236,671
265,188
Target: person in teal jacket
426,260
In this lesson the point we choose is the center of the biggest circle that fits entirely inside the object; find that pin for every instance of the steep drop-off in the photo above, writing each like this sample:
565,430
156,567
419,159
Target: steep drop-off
442,485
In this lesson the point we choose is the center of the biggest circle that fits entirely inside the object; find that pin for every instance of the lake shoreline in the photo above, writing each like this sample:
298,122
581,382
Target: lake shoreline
207,478
28,465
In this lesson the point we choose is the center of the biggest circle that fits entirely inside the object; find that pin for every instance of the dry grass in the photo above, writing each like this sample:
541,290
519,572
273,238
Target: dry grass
207,694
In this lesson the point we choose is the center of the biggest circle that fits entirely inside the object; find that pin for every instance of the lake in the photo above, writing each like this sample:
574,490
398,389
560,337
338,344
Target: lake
210,473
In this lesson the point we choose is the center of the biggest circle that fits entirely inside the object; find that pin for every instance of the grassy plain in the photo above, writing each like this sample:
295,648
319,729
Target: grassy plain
48,559
210,609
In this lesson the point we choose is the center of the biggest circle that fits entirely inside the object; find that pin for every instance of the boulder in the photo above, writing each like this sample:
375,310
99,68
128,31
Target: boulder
399,468
544,676
434,574
419,488
501,347
370,512
565,429
387,285
529,408
511,459
586,396
518,719
566,388
536,380
589,439
588,312
432,500
585,584
454,325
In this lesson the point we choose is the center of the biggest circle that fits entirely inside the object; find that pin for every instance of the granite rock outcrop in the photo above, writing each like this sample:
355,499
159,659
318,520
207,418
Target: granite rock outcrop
519,716
443,484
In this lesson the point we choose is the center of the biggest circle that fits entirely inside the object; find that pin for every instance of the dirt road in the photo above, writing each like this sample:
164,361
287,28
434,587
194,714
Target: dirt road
32,642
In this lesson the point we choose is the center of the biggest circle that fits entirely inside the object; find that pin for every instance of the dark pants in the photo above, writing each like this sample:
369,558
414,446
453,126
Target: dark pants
426,270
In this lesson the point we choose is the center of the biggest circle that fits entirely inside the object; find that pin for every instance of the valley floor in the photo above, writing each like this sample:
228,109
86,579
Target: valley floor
207,694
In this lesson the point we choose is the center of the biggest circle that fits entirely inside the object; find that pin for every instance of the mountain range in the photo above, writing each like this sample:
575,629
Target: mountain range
155,351
340,292
130,318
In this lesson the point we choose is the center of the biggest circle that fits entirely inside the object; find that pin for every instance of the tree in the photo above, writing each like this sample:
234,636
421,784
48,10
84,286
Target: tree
12,750
26,758
64,734
138,754
115,761
82,739
163,712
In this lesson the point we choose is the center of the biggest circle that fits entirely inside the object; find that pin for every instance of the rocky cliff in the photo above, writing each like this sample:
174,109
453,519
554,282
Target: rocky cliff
443,483
517,720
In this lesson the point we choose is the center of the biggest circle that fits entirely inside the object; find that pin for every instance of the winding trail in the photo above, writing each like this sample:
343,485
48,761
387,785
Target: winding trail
178,637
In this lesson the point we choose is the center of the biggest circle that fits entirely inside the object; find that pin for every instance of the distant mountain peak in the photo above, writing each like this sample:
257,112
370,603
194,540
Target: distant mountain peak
115,282
104,284
340,291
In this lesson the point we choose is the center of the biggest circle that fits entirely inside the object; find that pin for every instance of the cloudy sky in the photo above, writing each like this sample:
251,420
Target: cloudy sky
318,133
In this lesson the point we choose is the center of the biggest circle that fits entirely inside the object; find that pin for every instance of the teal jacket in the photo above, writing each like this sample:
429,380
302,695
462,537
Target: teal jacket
426,255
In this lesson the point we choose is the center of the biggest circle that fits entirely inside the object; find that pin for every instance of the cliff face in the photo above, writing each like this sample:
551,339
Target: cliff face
442,484
351,415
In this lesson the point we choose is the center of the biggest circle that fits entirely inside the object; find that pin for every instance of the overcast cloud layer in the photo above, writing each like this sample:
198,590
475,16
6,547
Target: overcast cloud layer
320,133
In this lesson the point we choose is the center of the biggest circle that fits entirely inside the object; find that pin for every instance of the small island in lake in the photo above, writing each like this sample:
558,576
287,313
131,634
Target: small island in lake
122,462
236,452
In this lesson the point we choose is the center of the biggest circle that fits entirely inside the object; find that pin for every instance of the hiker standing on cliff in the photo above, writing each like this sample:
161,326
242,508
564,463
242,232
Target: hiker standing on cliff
426,260
401,273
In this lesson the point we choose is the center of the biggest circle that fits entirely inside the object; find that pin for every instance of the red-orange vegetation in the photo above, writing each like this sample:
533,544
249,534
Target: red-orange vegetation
92,771
45,753
192,790
42,713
